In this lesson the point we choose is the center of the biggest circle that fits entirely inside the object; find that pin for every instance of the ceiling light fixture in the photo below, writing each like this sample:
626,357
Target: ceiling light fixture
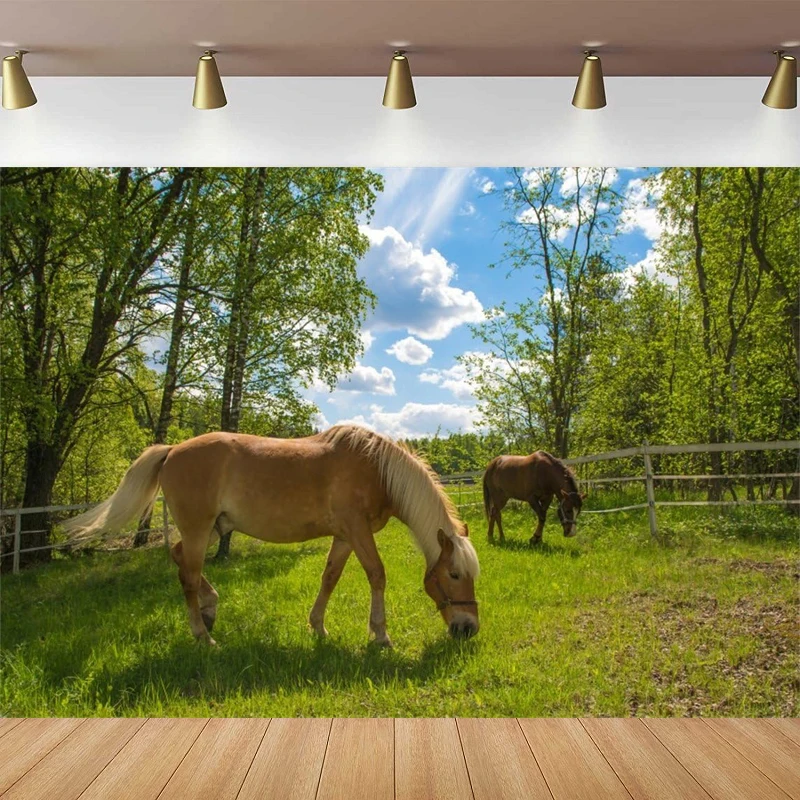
208,91
399,92
17,92
590,92
782,89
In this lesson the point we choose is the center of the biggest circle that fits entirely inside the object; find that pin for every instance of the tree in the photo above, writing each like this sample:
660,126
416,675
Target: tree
78,253
560,229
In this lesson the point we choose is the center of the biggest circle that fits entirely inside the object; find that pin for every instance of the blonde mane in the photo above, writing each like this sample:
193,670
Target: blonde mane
415,492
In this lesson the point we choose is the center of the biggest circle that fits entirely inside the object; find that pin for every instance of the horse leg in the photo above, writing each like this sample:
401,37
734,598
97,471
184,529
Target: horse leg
337,558
209,598
367,554
491,525
189,554
540,509
499,517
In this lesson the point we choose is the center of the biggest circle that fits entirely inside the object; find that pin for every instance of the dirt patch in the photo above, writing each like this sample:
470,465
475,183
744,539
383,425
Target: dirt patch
777,568
702,646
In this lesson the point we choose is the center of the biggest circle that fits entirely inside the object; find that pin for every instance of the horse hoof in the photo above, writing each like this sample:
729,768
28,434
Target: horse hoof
385,643
534,542
321,631
208,621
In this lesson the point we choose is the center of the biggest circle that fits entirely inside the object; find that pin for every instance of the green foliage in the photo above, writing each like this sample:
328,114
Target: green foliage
606,358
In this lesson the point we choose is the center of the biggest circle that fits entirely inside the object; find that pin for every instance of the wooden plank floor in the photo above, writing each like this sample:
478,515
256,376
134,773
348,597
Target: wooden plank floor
403,759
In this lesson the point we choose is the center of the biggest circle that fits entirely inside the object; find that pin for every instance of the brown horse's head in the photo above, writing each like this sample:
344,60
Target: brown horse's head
569,507
450,584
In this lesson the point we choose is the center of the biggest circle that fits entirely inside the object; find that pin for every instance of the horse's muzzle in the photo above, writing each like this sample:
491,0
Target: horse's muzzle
464,629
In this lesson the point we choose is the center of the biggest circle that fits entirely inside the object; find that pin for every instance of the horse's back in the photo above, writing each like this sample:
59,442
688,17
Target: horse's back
274,489
518,477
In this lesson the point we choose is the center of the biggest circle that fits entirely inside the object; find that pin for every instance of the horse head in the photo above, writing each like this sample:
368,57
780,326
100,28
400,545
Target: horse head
569,507
450,584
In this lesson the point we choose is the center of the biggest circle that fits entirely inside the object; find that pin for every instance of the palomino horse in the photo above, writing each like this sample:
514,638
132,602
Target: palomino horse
345,483
536,479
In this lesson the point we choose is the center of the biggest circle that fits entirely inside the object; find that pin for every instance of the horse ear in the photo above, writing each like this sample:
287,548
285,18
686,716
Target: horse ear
444,542
466,530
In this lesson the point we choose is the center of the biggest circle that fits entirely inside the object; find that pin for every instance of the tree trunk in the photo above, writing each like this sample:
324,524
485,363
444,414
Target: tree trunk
175,345
41,468
238,333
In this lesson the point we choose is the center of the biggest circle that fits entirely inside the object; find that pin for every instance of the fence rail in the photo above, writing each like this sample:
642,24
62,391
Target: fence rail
17,533
650,478
646,451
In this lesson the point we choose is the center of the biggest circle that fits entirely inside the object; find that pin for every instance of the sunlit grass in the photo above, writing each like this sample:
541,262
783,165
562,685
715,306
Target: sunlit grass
608,623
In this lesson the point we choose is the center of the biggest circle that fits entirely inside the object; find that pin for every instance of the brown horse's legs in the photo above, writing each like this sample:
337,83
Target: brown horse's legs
367,554
540,509
189,556
498,514
337,558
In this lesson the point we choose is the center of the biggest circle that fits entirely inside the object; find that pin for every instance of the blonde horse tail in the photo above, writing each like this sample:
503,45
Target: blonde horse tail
133,498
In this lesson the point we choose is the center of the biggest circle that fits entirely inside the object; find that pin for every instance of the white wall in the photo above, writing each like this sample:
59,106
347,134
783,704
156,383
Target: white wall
458,122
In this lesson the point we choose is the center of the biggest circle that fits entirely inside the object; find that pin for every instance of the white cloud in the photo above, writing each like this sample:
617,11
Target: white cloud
320,421
419,419
651,266
411,351
467,210
443,202
640,212
369,380
488,186
454,379
367,340
586,177
415,288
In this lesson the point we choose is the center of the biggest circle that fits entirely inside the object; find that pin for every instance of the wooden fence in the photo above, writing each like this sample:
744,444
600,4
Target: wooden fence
18,513
648,477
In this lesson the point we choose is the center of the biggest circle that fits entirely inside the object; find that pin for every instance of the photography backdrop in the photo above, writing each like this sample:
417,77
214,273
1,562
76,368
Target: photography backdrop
458,122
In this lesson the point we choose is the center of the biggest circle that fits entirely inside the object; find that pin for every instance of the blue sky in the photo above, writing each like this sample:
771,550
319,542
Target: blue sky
434,235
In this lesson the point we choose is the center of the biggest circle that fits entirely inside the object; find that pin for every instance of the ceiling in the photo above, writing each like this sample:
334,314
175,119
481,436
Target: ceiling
356,37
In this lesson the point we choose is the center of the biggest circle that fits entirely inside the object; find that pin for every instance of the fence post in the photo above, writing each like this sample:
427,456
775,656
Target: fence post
17,541
651,494
165,511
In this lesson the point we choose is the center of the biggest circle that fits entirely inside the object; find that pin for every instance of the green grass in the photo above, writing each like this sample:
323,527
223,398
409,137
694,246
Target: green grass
608,623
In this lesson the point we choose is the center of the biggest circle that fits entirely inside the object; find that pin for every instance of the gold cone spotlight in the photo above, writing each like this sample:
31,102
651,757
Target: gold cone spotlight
17,92
399,92
590,92
782,89
208,91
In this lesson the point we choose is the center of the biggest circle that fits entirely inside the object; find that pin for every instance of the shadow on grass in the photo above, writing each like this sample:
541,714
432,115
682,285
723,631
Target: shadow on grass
543,548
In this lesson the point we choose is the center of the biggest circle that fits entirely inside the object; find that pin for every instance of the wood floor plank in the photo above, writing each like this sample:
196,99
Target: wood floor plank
76,761
648,770
289,760
429,761
717,766
144,765
33,739
788,727
765,747
499,761
359,762
7,724
571,763
217,763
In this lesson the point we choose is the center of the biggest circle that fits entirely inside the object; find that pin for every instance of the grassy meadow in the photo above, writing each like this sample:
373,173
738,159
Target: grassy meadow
607,623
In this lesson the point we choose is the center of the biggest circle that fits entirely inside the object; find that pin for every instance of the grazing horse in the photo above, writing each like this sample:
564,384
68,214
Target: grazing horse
345,482
536,479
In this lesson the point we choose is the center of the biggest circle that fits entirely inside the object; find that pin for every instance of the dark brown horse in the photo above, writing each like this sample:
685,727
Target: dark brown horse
536,479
